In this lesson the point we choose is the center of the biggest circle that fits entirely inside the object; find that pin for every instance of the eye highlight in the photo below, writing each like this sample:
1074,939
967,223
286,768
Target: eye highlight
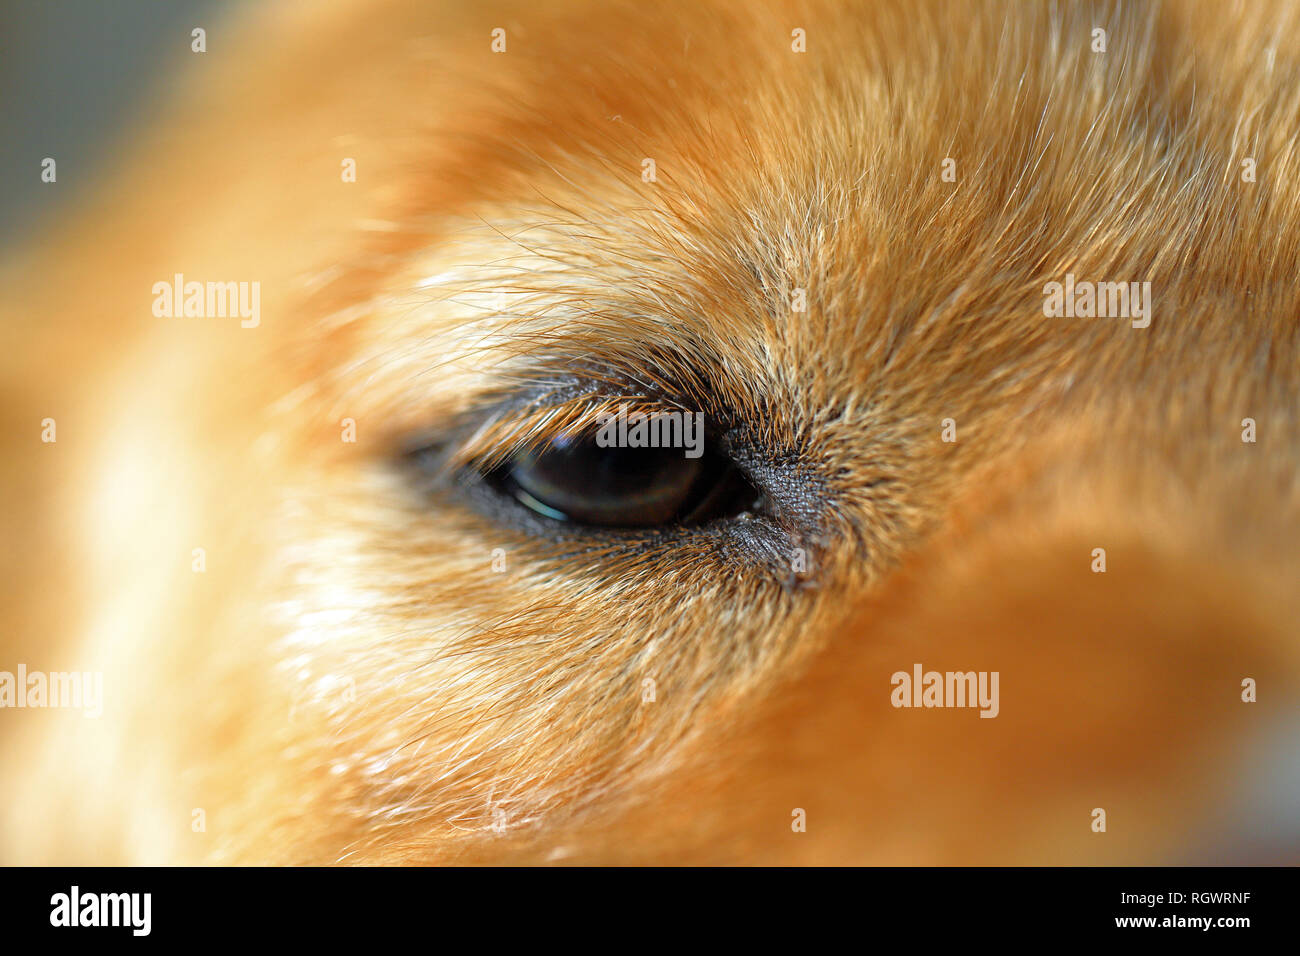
581,457
574,478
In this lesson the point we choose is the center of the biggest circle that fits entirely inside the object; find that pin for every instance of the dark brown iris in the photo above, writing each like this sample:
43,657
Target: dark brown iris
575,479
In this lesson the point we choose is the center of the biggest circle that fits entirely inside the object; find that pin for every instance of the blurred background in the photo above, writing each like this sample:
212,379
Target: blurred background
75,76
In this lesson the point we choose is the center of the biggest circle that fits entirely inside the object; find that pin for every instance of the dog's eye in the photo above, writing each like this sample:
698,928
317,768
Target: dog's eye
573,478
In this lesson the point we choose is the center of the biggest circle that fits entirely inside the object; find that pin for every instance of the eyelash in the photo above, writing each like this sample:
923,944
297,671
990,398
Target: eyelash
464,457
508,433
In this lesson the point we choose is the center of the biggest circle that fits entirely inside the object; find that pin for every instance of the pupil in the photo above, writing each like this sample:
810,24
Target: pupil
574,478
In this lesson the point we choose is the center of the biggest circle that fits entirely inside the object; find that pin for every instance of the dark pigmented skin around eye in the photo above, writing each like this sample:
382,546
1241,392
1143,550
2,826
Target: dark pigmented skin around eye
749,506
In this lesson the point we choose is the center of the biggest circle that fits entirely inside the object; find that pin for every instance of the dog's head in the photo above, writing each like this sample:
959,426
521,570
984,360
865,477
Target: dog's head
367,584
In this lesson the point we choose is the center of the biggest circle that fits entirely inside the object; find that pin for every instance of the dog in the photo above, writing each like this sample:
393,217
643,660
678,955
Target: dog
988,312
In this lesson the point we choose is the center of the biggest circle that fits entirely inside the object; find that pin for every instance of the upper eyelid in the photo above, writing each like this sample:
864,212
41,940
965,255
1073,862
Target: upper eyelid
510,431
534,403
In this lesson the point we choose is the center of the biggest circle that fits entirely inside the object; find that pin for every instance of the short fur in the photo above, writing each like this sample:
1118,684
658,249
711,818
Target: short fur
351,680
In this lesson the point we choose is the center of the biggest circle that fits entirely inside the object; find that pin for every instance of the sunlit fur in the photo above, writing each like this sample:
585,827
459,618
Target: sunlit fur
351,680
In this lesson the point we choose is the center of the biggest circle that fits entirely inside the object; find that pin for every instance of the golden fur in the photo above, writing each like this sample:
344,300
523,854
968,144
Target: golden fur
350,679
